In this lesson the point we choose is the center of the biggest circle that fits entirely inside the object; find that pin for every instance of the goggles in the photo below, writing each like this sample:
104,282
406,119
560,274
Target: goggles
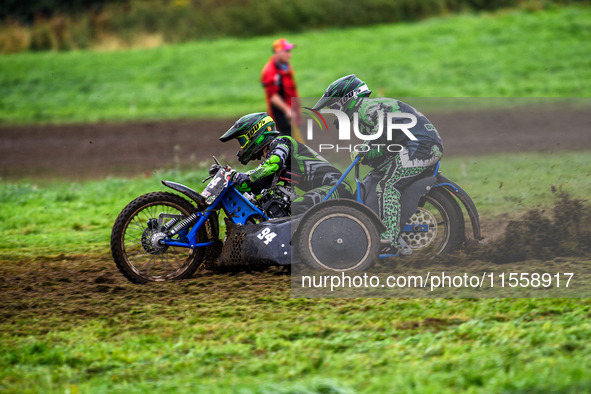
243,140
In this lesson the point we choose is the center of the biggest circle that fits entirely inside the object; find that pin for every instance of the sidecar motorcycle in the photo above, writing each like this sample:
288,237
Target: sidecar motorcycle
163,236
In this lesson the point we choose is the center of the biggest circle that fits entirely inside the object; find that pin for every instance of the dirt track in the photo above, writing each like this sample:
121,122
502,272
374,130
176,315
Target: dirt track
96,150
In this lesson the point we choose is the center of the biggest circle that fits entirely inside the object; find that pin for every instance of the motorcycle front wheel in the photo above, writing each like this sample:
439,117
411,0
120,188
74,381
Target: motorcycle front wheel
135,237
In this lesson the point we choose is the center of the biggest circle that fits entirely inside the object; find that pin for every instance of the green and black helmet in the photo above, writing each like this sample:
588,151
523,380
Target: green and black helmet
254,132
342,94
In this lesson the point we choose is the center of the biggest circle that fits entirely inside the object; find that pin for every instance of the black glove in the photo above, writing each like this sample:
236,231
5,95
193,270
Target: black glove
214,169
240,177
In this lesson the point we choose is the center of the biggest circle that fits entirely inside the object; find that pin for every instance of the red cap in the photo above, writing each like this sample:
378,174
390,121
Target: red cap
282,44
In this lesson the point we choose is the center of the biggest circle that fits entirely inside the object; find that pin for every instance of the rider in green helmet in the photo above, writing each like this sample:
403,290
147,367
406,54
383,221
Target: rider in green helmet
393,171
285,157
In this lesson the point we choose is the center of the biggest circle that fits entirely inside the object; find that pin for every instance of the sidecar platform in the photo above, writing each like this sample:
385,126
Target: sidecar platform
262,244
330,229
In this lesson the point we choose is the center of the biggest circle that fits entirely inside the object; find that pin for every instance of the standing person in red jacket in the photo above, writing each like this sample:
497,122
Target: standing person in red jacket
280,88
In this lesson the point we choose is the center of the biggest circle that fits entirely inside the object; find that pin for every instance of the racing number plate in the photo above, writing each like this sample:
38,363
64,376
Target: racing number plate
216,185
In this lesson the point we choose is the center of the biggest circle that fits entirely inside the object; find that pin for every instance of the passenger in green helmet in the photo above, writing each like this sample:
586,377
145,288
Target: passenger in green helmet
344,94
392,171
310,172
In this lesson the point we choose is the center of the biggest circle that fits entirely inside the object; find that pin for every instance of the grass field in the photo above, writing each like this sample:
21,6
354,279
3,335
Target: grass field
82,330
502,54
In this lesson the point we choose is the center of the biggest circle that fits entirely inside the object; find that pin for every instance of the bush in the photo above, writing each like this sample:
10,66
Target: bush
58,25
14,38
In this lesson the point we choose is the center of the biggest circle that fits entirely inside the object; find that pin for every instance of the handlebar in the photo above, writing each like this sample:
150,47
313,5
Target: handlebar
211,176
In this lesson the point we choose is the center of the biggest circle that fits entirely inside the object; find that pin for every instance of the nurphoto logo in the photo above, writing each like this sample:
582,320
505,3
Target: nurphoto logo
393,121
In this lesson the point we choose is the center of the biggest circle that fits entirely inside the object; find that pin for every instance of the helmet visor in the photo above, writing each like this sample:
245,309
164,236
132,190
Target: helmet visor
339,103
323,102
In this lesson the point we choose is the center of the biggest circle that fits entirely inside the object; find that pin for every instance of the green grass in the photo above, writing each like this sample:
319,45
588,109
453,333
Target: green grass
49,218
62,217
244,333
501,54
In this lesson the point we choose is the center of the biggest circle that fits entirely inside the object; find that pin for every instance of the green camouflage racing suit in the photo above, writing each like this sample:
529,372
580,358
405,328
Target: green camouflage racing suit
396,170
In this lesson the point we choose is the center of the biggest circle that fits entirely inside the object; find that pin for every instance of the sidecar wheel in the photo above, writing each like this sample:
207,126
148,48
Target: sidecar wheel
134,240
338,238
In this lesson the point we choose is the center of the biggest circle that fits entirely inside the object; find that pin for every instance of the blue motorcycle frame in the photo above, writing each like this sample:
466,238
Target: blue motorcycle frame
236,206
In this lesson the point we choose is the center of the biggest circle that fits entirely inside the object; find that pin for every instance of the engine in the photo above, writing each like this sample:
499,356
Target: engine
276,202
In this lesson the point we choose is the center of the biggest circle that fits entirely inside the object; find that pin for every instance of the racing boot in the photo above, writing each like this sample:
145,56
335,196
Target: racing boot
403,248
400,248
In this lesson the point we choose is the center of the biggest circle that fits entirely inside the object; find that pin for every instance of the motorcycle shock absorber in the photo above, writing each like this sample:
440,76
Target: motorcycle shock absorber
171,223
188,221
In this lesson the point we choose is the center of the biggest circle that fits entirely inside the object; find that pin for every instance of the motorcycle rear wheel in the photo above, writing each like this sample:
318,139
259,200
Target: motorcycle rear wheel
442,214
